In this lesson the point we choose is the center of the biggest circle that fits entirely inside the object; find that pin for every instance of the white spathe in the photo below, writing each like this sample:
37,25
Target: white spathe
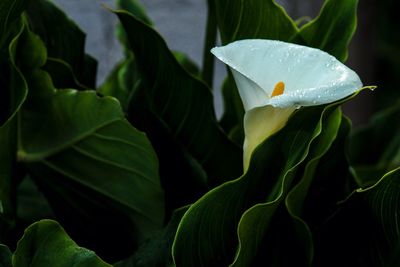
311,77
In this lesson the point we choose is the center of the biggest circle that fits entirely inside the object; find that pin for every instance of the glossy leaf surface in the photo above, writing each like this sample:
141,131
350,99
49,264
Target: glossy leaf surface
273,162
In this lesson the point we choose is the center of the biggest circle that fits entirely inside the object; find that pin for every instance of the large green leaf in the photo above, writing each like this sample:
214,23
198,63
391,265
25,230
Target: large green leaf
79,148
207,233
45,243
299,197
5,256
260,226
375,149
182,103
63,38
333,29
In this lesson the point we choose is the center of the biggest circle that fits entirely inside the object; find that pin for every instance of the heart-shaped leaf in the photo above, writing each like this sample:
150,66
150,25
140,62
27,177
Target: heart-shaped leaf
84,142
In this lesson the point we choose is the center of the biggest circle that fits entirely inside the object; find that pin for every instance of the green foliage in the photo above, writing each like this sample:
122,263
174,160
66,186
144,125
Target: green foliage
249,203
333,29
45,243
63,38
140,170
182,103
375,149
14,91
253,19
368,216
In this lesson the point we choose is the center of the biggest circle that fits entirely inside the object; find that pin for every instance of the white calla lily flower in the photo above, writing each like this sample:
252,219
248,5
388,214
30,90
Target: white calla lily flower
274,78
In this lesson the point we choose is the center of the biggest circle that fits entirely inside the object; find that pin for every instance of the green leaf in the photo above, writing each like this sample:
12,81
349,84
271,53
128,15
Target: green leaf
135,8
10,12
178,169
182,103
83,142
187,63
62,74
31,42
333,29
335,134
260,225
263,19
31,204
5,256
375,149
217,213
45,243
49,22
122,82
14,94
383,199
175,161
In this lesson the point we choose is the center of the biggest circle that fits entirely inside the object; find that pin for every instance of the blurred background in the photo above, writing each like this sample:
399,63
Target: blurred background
374,51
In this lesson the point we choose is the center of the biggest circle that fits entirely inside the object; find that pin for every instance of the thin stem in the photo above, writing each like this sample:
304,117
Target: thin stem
211,36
